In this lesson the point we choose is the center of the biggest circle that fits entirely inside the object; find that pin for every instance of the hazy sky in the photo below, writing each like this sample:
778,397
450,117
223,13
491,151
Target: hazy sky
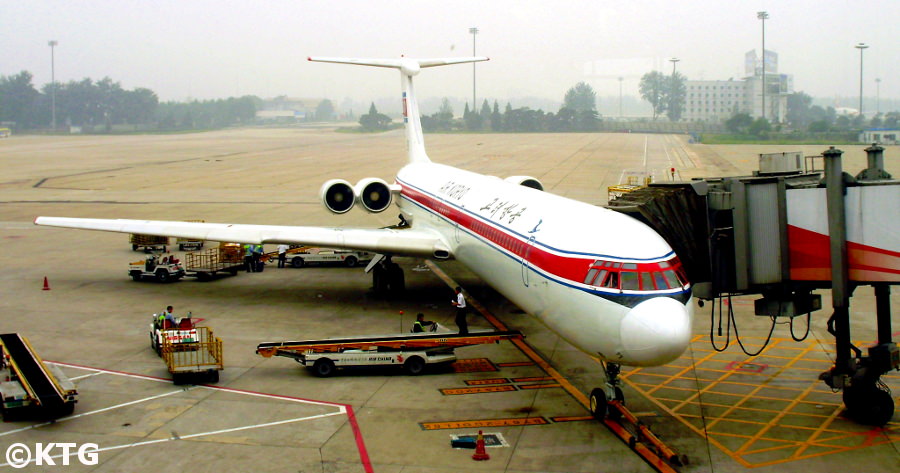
214,49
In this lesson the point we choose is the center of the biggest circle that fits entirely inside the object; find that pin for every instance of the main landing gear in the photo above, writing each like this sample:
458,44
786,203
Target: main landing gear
601,397
387,277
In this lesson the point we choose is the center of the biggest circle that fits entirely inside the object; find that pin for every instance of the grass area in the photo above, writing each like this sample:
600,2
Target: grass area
726,139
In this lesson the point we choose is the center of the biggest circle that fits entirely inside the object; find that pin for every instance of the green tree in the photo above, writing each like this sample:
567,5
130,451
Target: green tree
675,96
799,114
325,110
485,115
653,90
374,121
19,100
496,118
760,127
581,98
472,119
739,122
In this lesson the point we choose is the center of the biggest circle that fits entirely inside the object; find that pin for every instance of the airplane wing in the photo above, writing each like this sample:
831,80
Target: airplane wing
404,242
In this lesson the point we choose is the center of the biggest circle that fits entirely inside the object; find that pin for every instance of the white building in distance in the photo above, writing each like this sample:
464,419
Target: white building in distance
719,100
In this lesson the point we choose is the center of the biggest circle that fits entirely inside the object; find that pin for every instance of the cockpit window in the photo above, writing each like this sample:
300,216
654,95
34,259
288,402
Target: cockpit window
612,280
637,276
671,278
630,281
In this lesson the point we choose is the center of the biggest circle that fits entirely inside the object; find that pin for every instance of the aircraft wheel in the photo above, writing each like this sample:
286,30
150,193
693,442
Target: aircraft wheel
598,404
323,367
162,275
414,366
869,405
615,414
350,261
396,280
379,279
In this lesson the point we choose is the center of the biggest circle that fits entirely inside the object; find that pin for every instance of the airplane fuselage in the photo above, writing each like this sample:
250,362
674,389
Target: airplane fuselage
603,281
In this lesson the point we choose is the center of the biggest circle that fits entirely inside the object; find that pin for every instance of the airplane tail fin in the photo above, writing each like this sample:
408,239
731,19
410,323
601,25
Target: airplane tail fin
408,67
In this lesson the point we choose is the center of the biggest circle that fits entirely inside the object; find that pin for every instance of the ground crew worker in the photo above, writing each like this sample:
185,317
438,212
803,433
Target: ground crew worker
460,304
421,323
257,255
282,254
167,315
248,258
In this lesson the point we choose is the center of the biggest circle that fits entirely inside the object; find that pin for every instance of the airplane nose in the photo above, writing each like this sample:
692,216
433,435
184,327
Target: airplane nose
655,332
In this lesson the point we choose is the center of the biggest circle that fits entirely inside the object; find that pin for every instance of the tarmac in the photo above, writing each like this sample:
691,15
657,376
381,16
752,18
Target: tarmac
723,411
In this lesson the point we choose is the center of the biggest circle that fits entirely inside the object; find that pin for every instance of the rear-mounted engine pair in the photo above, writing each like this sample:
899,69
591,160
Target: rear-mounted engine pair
375,195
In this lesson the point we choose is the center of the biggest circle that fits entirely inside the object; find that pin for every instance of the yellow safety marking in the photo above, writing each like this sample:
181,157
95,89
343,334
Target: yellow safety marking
532,379
473,365
477,390
516,363
482,382
796,417
524,347
474,424
538,386
648,455
571,418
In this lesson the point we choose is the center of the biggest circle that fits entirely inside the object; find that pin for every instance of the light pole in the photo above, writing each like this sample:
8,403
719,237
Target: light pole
861,47
673,61
877,96
52,45
620,96
763,16
473,31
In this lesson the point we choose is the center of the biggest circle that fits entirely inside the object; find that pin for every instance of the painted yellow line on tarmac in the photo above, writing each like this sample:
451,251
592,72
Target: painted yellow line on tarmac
483,382
470,424
477,390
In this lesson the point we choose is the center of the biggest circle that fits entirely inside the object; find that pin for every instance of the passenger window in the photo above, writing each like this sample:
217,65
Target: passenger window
590,276
612,281
659,281
646,282
630,281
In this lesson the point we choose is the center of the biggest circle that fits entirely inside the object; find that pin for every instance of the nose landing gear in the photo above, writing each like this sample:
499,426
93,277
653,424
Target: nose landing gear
601,398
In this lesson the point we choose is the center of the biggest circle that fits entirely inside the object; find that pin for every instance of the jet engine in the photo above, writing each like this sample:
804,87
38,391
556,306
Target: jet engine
337,195
373,194
526,181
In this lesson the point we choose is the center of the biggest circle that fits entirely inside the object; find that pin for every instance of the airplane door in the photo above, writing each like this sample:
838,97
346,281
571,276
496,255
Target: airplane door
525,264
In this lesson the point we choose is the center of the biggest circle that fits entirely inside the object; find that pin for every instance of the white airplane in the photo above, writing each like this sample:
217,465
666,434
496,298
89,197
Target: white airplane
603,281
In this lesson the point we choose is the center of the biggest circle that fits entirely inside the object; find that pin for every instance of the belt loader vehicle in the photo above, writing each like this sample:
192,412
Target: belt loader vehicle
411,352
28,386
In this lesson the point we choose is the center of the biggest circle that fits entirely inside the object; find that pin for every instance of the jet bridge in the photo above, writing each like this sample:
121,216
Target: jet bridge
784,233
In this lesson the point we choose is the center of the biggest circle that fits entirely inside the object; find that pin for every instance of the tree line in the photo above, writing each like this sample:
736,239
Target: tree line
578,113
101,105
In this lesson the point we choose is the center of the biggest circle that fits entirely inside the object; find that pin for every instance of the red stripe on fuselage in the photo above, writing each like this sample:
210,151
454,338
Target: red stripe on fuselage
573,269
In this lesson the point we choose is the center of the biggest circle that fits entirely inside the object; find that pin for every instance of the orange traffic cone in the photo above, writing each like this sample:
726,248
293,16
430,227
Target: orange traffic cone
46,284
480,454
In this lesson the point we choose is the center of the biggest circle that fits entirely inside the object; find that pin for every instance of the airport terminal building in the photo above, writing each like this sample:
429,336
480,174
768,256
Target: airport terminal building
717,100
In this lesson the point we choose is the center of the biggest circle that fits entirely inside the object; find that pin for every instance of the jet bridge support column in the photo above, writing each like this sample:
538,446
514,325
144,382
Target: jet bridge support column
866,397
840,282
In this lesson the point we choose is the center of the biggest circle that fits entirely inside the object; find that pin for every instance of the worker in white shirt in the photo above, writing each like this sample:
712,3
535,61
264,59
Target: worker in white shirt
460,304
282,254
